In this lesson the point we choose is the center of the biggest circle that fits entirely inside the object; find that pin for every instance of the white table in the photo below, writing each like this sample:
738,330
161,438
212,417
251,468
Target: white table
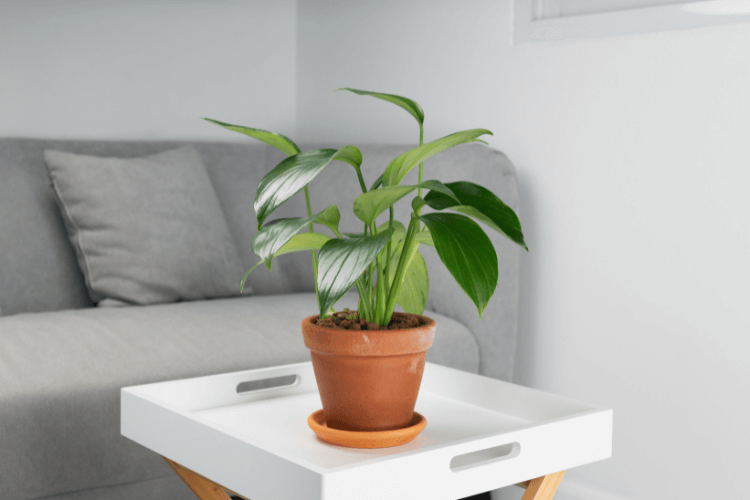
481,434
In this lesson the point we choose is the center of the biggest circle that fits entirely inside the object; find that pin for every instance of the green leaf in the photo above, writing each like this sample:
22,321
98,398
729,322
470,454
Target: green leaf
412,296
409,105
378,182
303,241
298,243
351,155
401,166
481,203
354,235
271,238
476,214
341,262
292,175
424,237
396,241
468,254
417,203
280,142
242,283
399,231
330,217
369,205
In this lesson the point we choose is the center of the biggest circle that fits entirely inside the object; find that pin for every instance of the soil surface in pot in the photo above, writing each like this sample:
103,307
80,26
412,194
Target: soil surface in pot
349,320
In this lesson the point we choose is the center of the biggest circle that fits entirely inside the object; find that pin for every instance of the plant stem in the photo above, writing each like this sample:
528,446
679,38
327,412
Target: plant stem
406,255
388,253
419,190
370,296
361,179
312,252
381,292
367,313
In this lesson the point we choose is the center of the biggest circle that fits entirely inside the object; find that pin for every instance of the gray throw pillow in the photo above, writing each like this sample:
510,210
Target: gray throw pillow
146,230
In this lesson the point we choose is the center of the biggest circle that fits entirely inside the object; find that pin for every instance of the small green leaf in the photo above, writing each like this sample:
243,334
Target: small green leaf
468,254
303,241
483,204
412,296
354,235
341,262
407,104
271,238
401,166
369,205
280,142
298,243
330,217
349,154
242,283
424,237
291,176
399,231
396,241
417,203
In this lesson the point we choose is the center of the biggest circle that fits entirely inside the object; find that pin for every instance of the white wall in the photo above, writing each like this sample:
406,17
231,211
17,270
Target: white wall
146,69
634,169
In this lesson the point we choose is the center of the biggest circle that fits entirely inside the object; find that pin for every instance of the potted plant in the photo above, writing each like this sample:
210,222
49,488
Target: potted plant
368,363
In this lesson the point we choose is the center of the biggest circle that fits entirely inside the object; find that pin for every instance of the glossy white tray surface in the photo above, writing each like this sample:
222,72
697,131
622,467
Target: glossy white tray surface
481,434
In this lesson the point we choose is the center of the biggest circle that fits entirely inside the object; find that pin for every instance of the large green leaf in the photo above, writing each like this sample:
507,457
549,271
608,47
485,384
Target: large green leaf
280,142
401,166
291,176
409,105
341,262
468,254
369,205
272,237
330,217
298,243
482,204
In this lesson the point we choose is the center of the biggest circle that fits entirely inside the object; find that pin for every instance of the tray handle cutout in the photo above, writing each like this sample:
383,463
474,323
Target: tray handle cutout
267,383
485,456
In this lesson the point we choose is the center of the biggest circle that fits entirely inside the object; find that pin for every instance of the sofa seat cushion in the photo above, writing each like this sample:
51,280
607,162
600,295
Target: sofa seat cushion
62,372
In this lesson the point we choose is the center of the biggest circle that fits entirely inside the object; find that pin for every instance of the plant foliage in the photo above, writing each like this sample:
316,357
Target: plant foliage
383,261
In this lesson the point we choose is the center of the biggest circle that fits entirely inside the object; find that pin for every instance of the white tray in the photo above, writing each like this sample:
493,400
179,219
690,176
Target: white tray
481,434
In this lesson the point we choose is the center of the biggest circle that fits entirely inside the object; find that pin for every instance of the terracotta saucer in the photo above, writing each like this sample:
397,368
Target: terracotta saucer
366,439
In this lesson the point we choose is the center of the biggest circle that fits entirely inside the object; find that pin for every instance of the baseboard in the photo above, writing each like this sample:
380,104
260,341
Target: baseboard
568,490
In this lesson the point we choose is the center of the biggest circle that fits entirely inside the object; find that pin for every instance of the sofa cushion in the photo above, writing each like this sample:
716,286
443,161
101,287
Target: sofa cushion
146,230
38,268
62,373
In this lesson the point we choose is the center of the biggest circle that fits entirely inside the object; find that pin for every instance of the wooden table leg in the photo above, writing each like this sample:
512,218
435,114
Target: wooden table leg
542,488
205,489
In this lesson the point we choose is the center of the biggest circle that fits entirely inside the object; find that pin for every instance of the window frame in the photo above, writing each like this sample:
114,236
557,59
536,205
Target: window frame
530,29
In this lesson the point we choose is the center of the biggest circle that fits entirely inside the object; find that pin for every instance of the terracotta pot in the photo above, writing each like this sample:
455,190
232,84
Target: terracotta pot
368,379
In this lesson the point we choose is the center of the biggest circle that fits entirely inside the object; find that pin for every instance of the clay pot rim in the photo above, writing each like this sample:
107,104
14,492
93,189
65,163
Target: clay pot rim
429,322
341,342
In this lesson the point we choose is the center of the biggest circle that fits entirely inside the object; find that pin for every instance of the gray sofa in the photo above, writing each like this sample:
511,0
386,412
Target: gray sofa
63,360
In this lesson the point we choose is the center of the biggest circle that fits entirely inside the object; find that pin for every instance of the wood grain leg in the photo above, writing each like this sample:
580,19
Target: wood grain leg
203,488
542,488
